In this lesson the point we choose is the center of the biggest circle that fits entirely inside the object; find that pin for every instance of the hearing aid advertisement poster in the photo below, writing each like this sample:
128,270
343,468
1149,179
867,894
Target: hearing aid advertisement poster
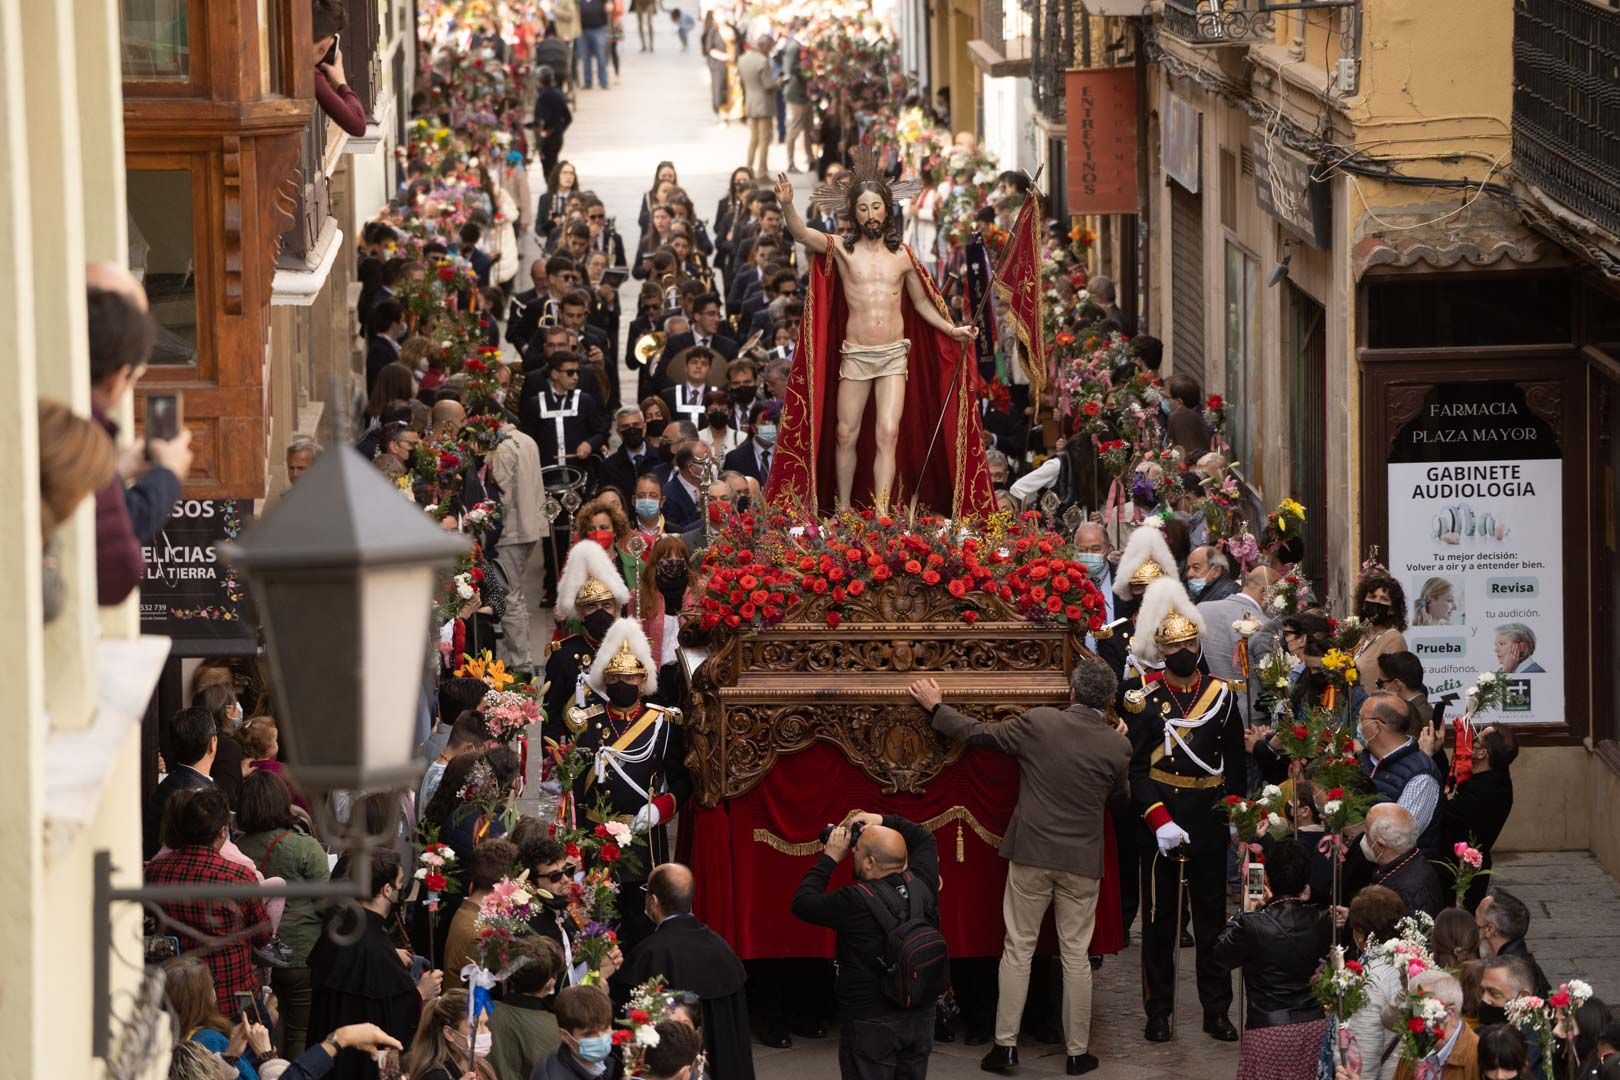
1476,540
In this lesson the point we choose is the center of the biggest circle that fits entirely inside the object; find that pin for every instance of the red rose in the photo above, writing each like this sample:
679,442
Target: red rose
835,573
1300,731
957,588
807,562
1073,612
833,619
1558,999
639,1016
759,596
434,881
709,622
1233,800
623,1035
1353,966
748,611
447,273
572,850
881,573
1054,604
857,587
913,566
840,594
970,616
1215,401
1336,793
1039,570
600,832
1415,1025
1091,408
931,577
1061,583
611,936
609,853
936,559
1006,593
733,621
1038,593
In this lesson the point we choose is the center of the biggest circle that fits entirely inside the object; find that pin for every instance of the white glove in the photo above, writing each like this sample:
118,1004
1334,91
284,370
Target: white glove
1170,836
648,817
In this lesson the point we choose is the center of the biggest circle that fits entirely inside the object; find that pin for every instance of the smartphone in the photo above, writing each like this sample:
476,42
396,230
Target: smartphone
331,54
246,1007
162,416
1254,887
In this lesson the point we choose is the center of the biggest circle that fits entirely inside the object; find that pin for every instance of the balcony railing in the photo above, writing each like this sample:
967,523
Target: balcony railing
1218,22
1566,105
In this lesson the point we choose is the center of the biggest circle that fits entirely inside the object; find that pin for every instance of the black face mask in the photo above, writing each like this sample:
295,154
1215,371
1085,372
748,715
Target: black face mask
633,437
623,695
719,419
597,623
1375,611
1181,664
655,428
1491,1014
742,395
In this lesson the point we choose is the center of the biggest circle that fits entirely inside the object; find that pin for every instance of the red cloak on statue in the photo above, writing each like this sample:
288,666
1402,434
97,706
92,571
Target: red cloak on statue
942,381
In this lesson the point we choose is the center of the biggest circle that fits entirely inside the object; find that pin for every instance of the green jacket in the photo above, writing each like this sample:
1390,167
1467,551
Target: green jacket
293,856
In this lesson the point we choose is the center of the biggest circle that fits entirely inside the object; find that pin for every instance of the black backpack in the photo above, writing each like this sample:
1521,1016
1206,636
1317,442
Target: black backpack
914,968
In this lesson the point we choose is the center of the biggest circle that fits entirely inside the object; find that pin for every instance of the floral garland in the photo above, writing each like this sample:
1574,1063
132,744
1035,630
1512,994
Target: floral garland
769,567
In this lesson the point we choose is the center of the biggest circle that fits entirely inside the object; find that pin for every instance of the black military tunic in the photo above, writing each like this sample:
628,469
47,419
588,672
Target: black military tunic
639,758
1188,755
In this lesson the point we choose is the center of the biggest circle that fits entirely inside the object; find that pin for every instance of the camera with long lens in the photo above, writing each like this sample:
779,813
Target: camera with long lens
855,828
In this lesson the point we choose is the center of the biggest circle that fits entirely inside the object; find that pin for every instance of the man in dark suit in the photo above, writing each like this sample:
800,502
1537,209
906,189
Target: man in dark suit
753,458
693,958
752,273
553,280
594,346
681,499
634,458
706,331
687,398
482,264
1072,763
192,741
604,237
519,311
551,118
1478,810
564,421
383,327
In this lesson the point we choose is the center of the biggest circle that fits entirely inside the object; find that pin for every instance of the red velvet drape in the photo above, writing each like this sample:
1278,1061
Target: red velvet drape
744,885
956,480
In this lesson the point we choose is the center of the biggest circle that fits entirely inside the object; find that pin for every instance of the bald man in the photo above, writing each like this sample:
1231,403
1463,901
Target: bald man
695,959
895,865
448,418
1220,640
133,508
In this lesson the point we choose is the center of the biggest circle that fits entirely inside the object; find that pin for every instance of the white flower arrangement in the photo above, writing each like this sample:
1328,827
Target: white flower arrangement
1279,604
1331,807
1270,792
1579,991
620,832
464,586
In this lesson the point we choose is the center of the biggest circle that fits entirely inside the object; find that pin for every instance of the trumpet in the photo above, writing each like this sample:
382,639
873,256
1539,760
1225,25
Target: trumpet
647,347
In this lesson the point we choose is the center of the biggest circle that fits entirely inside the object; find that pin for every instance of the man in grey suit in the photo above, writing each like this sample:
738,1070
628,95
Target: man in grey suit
1220,639
1072,762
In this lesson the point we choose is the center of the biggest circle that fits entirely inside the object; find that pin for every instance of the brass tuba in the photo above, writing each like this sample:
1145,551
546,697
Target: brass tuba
648,347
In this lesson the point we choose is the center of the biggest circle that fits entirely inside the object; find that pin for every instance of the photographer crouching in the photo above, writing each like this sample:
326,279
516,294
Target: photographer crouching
891,958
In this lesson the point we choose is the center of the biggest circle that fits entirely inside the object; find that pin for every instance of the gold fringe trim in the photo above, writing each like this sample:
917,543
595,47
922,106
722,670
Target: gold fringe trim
957,814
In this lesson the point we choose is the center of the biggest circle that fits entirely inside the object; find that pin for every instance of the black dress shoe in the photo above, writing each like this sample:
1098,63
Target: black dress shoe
1187,939
809,1029
776,1037
1080,1064
1000,1059
977,1035
1219,1027
1158,1029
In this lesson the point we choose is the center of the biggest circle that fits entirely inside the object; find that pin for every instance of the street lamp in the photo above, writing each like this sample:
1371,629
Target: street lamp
342,576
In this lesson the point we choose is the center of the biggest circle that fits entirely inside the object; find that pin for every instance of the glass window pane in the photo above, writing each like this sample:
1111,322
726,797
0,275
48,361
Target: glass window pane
162,256
1242,309
156,39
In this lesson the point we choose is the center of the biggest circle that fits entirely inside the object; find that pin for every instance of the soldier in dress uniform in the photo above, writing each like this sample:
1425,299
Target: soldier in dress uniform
1188,755
639,756
590,595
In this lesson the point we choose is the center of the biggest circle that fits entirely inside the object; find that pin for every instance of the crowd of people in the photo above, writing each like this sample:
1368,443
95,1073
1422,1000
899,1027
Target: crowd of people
1231,743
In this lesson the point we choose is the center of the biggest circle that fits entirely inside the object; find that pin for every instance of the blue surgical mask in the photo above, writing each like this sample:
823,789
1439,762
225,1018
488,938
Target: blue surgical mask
1164,405
646,509
1196,585
766,434
595,1048
1093,561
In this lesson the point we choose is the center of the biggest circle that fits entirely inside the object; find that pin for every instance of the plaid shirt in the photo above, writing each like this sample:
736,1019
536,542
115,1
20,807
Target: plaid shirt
231,964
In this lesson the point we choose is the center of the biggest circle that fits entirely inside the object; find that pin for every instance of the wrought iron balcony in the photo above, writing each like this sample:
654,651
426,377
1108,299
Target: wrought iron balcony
1219,22
1566,106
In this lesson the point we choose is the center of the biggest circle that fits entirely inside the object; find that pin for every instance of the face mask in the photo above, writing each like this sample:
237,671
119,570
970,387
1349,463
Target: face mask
1195,586
1491,1014
655,428
623,695
672,571
633,437
766,434
742,395
481,1043
603,537
597,623
1181,664
719,419
1093,561
596,1048
1164,406
1374,611
1367,849
646,509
